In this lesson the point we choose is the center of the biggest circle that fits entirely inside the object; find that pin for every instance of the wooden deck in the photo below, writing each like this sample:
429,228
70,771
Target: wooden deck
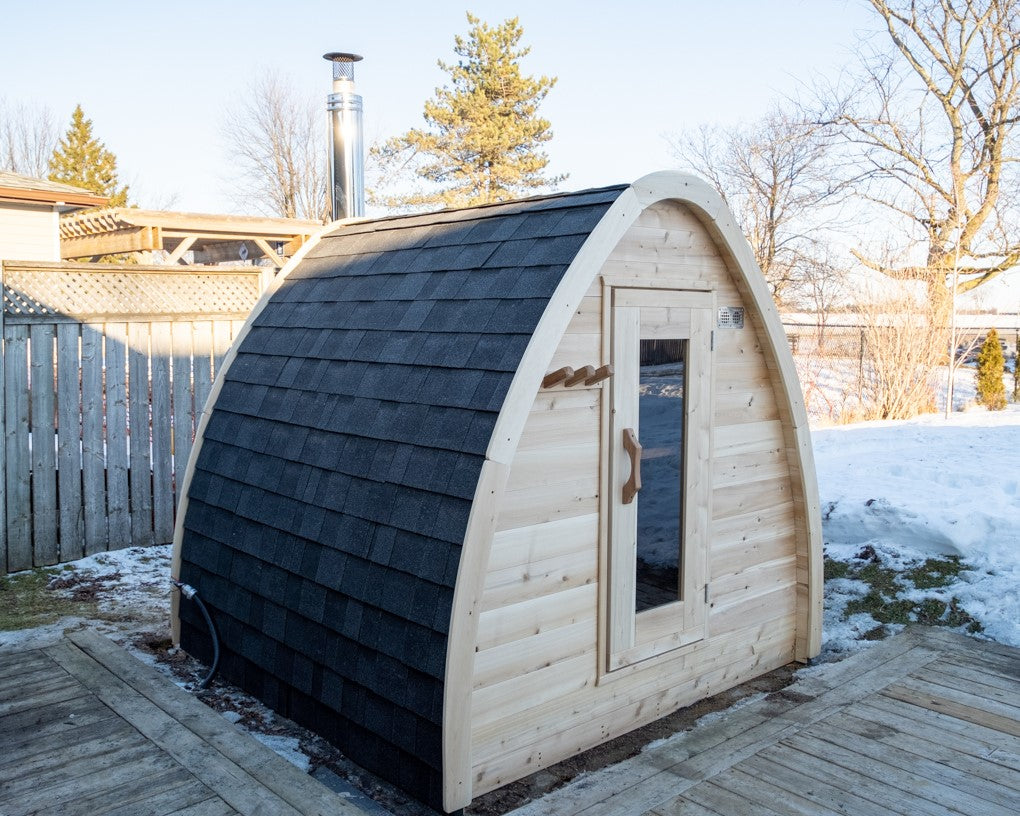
87,729
925,723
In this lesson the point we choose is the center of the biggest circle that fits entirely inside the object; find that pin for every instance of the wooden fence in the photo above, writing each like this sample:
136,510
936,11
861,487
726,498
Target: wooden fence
104,370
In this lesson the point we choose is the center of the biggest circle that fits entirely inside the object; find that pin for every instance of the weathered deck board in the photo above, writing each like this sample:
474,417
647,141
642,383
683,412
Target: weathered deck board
925,723
86,729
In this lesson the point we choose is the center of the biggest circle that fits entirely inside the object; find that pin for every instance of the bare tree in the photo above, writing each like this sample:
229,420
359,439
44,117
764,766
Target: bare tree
930,128
905,342
772,174
822,284
278,139
28,136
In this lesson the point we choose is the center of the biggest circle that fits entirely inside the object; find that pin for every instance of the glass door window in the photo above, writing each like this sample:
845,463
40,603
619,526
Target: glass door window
662,421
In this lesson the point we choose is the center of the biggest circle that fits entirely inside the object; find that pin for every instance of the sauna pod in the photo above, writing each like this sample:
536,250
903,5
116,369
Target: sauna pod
479,489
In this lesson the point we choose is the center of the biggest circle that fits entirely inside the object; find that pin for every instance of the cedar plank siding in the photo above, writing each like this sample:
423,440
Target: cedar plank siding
538,695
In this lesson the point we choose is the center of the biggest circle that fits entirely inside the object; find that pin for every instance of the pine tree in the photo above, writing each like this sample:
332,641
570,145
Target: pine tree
484,135
990,365
83,160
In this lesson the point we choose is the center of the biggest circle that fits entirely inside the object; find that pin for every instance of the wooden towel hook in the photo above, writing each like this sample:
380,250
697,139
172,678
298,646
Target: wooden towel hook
580,375
557,376
601,373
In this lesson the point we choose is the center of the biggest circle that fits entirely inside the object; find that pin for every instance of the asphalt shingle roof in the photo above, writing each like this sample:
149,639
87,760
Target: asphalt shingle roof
332,490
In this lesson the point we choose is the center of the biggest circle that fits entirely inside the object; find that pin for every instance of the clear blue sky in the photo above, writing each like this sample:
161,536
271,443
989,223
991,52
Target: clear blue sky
154,78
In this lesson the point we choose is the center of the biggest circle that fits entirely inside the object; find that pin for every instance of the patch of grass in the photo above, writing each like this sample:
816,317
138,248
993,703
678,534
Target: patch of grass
881,607
930,611
884,599
26,601
835,569
935,572
882,579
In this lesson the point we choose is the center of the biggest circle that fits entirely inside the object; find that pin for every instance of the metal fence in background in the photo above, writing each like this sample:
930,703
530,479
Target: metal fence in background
832,359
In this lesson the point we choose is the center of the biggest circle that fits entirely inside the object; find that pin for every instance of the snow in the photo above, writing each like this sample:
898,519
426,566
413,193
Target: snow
928,487
287,747
132,590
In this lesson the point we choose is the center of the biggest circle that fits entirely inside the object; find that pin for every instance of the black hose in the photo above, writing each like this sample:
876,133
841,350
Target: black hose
191,594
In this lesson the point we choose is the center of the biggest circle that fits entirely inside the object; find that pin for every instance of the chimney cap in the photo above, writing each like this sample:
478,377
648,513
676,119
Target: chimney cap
343,64
342,56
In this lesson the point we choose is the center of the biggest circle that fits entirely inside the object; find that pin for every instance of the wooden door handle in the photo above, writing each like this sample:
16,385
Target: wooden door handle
633,448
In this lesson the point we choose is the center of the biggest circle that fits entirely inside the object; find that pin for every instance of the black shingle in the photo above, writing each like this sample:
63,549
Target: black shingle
350,624
382,545
501,280
464,476
434,259
431,561
428,469
477,436
493,229
330,500
441,613
445,349
534,282
512,253
473,256
513,351
312,601
330,570
488,353
516,316
539,224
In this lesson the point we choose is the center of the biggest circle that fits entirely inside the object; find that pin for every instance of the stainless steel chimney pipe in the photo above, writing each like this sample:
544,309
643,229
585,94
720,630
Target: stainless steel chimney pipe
347,159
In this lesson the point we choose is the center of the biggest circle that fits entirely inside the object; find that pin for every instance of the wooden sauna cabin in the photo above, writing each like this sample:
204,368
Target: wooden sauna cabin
480,489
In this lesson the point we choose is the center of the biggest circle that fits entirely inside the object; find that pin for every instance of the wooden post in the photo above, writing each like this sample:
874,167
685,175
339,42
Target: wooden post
116,436
69,443
162,465
16,474
3,433
140,474
93,439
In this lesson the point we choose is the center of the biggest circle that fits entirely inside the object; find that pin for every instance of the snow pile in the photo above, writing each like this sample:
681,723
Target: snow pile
135,581
927,487
131,589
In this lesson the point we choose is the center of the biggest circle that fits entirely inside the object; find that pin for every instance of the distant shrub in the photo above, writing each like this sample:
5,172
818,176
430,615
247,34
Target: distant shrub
990,367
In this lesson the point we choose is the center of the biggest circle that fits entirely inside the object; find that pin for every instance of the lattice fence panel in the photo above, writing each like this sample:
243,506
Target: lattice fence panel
90,292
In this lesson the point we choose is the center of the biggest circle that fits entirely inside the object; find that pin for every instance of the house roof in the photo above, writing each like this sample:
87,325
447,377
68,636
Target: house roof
16,187
334,483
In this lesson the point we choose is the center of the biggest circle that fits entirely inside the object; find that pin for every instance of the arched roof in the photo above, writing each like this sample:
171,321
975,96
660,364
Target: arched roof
330,494
360,433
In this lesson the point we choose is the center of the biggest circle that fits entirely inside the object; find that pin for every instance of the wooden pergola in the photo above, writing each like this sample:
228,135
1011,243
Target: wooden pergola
213,239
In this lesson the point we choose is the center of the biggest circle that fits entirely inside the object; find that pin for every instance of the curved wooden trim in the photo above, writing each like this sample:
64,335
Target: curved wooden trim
460,643
710,209
189,472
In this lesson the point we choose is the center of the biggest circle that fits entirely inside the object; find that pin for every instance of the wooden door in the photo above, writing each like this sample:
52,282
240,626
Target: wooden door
660,471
